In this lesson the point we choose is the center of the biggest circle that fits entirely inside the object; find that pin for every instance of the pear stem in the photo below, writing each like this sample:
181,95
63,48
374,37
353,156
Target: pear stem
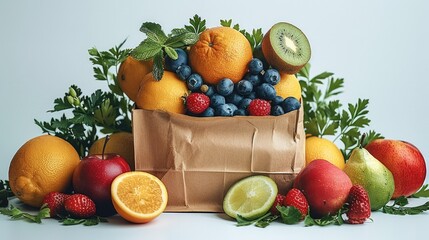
361,140
104,146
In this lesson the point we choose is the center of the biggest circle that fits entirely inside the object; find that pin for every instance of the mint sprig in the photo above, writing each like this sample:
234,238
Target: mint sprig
158,44
326,116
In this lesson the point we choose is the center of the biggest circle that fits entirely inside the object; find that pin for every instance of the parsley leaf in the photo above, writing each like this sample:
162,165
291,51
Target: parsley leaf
197,25
336,219
254,38
398,207
423,192
326,116
16,214
87,115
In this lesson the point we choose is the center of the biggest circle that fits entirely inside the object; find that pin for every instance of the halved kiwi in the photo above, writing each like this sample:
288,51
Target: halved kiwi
286,48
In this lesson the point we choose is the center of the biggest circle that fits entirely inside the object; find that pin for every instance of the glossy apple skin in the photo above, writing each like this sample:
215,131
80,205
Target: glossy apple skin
93,177
404,160
325,186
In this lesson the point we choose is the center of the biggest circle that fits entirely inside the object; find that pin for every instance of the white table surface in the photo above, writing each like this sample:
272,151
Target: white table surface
217,226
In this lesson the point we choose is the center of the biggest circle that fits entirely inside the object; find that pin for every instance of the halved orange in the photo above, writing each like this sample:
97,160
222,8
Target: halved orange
138,197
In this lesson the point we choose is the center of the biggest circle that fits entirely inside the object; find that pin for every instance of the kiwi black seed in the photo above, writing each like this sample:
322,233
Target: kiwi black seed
286,48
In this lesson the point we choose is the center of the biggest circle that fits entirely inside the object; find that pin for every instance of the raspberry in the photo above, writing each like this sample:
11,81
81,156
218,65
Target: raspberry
259,107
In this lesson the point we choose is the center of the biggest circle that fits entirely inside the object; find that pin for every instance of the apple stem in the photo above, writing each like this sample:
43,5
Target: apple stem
361,140
104,146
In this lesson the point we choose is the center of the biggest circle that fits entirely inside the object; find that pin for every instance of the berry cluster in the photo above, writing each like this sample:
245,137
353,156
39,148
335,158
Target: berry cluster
254,95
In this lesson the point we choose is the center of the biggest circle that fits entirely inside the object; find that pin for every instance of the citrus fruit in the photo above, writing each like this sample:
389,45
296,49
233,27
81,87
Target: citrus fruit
321,148
138,197
288,86
165,94
250,197
130,74
220,52
121,143
42,165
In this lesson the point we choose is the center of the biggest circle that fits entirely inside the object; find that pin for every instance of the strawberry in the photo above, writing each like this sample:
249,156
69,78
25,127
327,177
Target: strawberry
197,103
359,205
278,202
296,198
80,206
259,107
55,202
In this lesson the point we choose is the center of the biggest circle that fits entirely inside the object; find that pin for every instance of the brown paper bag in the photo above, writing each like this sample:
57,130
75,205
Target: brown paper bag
198,159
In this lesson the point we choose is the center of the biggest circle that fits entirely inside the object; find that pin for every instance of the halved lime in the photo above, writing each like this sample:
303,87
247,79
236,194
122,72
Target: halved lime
250,197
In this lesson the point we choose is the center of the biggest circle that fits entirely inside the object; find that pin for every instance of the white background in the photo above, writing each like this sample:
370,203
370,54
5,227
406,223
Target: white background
380,48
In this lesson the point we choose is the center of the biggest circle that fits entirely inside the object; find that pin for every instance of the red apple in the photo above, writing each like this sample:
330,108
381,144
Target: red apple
93,177
405,162
325,186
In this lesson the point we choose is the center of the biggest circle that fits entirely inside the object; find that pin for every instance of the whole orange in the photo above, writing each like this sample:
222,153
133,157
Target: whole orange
321,148
165,94
220,52
288,86
43,164
130,74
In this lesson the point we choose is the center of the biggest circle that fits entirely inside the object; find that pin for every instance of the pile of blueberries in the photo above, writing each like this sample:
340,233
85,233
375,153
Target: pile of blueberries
229,99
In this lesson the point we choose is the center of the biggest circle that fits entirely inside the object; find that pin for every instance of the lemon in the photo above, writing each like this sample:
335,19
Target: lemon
250,197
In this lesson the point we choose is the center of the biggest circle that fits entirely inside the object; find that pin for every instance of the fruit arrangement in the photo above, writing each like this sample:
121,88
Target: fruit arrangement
76,177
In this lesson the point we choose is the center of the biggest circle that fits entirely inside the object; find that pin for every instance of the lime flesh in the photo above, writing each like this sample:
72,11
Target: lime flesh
250,197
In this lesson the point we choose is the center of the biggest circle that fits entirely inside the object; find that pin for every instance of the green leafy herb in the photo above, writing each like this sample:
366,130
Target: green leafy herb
86,221
423,192
254,38
289,215
336,219
197,25
398,207
5,193
158,44
105,112
325,115
241,221
17,214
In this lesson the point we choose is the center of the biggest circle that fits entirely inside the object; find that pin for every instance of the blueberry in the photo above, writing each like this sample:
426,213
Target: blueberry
209,112
240,112
272,76
183,71
207,90
194,81
244,87
255,66
224,110
255,79
252,95
277,110
216,100
244,103
266,91
277,100
182,58
233,107
225,87
290,104
234,98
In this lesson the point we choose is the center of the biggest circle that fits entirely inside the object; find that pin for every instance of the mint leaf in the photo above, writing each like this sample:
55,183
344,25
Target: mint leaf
17,214
241,221
336,219
146,50
158,68
181,39
154,32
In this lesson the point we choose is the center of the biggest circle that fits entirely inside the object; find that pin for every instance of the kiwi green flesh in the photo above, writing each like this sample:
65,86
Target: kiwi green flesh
290,44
